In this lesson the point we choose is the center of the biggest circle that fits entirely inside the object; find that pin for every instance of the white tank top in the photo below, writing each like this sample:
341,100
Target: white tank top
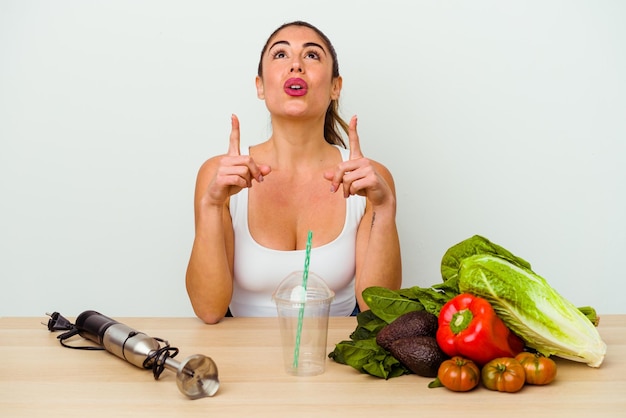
258,270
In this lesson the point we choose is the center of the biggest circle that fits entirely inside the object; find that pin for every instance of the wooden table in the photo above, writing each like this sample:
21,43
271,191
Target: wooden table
40,378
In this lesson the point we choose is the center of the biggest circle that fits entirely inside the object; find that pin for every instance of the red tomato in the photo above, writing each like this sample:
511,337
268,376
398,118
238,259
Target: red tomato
504,374
459,374
540,370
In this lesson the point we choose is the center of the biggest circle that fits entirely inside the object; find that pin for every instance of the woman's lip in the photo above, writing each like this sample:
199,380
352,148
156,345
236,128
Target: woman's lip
295,87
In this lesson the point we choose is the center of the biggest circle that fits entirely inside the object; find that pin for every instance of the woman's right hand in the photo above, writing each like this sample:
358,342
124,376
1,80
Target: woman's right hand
234,171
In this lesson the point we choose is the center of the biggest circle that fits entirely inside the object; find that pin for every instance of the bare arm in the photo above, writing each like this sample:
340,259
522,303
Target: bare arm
209,277
209,272
378,259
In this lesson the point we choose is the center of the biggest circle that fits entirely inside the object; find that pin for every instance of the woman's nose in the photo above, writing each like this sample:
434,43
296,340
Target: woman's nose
295,67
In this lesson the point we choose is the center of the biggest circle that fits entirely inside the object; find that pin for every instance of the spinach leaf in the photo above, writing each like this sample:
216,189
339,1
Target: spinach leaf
388,304
368,326
431,299
450,287
368,357
363,353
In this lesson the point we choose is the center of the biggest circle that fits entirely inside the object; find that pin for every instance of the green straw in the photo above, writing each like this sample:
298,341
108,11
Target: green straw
305,278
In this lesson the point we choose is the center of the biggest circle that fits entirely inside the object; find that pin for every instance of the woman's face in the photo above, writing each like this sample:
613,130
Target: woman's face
297,74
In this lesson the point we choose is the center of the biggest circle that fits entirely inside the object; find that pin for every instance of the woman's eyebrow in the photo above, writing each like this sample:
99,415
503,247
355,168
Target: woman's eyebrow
307,44
278,43
315,45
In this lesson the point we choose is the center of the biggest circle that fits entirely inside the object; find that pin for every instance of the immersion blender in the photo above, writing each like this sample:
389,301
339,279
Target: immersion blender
196,376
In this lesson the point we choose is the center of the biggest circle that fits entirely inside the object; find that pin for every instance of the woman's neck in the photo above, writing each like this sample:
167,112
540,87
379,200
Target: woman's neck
297,144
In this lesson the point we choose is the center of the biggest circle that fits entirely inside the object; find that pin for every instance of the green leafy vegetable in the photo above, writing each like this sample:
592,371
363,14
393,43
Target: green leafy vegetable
368,325
591,314
451,261
532,309
476,245
430,299
388,304
362,353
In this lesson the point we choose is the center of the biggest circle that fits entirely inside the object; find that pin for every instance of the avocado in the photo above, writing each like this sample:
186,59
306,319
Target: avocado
411,324
420,354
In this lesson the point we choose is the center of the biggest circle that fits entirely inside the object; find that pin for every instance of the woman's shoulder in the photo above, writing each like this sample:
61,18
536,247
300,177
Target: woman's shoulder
381,168
209,166
385,173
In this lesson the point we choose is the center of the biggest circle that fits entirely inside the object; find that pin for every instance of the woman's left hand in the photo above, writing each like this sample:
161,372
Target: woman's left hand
358,175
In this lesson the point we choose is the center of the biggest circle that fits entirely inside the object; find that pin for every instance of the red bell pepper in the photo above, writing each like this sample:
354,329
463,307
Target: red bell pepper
470,328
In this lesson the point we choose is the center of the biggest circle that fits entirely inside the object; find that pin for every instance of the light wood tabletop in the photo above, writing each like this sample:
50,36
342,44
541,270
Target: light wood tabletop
40,378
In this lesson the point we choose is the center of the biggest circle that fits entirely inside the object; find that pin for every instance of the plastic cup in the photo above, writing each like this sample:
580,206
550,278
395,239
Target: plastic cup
303,321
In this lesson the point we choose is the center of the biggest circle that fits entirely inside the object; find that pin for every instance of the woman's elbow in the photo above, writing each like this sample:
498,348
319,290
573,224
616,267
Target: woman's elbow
208,316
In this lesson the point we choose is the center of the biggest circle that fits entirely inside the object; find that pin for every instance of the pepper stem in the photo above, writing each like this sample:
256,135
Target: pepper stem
461,320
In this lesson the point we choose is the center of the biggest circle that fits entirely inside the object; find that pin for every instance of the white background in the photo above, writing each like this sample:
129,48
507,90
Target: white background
505,119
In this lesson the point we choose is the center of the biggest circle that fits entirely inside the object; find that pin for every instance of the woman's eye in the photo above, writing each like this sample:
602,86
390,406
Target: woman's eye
313,55
280,54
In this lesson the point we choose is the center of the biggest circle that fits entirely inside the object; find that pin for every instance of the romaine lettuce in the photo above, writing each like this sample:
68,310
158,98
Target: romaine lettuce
531,308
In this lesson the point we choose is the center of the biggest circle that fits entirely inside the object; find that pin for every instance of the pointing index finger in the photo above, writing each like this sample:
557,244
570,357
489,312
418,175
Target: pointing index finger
233,147
353,137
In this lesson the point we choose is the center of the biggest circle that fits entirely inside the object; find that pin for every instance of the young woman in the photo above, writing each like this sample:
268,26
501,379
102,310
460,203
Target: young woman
253,211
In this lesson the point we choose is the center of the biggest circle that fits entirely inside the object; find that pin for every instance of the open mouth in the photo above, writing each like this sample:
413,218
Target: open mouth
295,87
